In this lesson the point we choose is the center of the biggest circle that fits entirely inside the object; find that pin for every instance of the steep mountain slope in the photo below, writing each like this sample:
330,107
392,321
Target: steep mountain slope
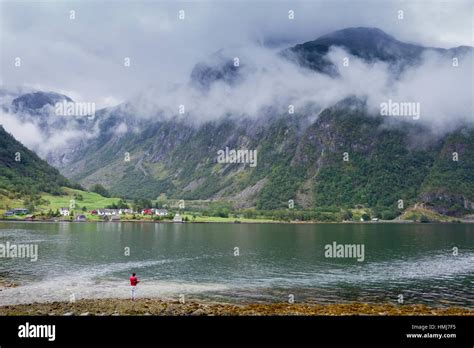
449,187
22,171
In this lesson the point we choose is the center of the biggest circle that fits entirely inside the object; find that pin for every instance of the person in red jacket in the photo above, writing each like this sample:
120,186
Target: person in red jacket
133,283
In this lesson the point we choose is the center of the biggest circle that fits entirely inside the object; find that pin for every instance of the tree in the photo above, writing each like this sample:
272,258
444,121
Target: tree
101,190
347,215
377,212
221,212
31,207
424,219
389,215
139,204
250,213
122,204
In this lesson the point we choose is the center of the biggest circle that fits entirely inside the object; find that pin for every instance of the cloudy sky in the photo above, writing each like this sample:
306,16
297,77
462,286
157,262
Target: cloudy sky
84,57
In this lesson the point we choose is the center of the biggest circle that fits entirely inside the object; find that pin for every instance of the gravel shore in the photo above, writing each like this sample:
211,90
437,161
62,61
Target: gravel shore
147,306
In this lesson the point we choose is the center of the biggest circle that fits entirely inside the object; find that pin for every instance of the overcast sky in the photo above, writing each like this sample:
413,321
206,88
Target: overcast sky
83,57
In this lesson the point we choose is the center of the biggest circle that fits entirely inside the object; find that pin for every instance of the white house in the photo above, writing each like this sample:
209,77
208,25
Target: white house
64,211
161,212
107,212
125,211
178,218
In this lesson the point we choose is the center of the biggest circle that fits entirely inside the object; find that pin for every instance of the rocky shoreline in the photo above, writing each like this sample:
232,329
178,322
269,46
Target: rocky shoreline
146,306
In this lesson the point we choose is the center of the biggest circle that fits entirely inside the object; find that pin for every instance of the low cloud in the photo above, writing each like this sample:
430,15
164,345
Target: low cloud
270,82
84,57
41,141
86,62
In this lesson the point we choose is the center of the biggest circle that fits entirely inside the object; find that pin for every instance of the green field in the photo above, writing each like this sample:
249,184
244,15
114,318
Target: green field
90,200
73,198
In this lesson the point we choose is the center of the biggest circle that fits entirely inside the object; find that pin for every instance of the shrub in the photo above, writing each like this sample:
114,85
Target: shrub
424,219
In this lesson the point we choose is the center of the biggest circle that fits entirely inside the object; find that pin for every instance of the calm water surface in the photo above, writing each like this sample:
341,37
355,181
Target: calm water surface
275,260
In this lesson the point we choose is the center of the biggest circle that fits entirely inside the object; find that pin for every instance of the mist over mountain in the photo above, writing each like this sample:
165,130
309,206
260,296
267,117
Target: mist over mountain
369,44
165,140
36,101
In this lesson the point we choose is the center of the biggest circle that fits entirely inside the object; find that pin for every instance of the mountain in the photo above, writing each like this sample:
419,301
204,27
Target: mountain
370,44
218,68
22,171
300,156
35,101
36,110
297,160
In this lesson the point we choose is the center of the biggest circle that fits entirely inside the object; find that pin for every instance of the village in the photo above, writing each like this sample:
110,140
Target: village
101,214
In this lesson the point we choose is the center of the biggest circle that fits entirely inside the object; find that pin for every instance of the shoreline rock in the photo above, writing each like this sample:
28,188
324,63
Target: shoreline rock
7,284
147,306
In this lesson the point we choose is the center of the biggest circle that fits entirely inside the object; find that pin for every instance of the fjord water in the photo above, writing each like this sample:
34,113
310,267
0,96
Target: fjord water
274,261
